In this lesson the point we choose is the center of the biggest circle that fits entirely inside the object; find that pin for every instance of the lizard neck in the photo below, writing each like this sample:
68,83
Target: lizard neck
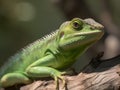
66,59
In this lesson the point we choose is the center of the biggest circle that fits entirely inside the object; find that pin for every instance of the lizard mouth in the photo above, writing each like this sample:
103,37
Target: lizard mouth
83,38
98,33
88,33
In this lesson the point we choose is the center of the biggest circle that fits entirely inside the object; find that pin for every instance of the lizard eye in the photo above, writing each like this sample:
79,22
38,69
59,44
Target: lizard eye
77,25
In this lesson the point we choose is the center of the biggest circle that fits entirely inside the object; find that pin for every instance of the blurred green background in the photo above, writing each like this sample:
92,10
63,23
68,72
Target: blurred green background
24,21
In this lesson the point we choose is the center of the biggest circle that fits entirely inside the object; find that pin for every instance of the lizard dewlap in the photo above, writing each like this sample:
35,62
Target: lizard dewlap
52,54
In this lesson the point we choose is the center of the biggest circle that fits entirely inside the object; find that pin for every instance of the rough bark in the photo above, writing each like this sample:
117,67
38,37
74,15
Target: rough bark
98,75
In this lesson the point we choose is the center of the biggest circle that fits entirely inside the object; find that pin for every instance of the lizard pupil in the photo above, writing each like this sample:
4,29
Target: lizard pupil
76,25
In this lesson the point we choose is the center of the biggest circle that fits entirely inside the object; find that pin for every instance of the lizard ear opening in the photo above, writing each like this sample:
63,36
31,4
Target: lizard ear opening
61,34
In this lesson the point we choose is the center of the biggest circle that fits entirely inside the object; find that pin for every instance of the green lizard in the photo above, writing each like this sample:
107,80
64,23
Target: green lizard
52,54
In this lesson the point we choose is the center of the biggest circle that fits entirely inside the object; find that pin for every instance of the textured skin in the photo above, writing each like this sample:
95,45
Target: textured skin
51,54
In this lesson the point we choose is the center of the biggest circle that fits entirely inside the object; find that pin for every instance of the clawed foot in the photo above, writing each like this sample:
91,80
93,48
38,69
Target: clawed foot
57,82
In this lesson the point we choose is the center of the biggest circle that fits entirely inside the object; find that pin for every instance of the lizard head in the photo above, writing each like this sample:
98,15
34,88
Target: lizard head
78,32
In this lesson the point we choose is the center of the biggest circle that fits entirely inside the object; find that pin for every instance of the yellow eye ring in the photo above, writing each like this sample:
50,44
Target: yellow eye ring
77,24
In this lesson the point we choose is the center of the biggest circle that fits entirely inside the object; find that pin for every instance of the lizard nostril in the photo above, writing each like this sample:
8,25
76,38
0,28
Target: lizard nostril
92,28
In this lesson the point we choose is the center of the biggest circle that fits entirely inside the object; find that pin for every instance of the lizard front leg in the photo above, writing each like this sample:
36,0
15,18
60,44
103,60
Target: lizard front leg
41,71
43,68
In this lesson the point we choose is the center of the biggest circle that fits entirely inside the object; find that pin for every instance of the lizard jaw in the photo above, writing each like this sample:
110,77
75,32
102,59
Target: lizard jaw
87,38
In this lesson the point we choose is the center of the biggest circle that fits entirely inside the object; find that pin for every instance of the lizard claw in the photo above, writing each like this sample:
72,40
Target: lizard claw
57,82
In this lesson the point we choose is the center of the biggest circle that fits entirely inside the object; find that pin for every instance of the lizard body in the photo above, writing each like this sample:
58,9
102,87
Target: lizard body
52,54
